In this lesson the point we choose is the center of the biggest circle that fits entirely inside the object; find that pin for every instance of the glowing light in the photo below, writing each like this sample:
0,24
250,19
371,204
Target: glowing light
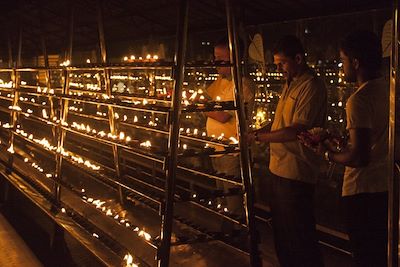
146,144
11,149
233,140
65,63
44,114
129,261
146,236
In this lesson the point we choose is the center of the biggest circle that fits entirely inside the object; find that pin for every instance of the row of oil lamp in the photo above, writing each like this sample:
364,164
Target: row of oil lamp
121,136
47,145
129,261
147,58
197,100
109,212
145,102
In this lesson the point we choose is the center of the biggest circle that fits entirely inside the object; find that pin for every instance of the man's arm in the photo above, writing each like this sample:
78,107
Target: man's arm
282,135
357,153
248,92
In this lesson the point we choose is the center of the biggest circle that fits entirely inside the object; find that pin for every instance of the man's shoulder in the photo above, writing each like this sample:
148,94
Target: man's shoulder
314,82
356,100
378,86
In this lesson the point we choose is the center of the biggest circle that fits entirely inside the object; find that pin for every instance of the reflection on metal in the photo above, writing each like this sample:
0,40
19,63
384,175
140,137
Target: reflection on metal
53,112
174,122
111,115
14,114
61,135
10,56
63,107
393,216
68,51
242,125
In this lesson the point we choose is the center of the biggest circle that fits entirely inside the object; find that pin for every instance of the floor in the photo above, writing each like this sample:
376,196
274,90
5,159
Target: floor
13,249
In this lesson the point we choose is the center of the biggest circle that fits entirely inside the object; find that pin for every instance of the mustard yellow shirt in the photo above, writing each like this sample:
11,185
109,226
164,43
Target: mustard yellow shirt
304,101
224,88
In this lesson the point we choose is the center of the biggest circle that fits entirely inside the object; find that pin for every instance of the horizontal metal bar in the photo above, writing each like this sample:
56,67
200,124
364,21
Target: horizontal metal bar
209,64
93,101
210,176
199,139
219,214
6,98
143,128
135,96
3,88
88,116
34,69
122,66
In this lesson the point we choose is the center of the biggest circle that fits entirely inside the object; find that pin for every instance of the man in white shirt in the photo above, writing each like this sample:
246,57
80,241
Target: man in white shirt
224,123
366,156
294,168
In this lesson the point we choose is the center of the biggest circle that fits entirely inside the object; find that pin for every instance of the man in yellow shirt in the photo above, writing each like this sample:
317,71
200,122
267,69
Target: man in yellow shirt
225,123
294,168
366,156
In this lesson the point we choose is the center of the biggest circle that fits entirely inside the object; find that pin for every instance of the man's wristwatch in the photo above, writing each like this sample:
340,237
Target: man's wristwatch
326,156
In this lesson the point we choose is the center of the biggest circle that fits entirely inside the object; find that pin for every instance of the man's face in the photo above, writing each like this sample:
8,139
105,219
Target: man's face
287,65
221,53
348,67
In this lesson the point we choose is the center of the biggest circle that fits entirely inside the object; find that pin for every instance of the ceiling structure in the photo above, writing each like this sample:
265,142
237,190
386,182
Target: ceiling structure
130,20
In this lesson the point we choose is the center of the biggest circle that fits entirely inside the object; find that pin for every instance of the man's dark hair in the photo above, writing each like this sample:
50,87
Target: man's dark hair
225,43
288,45
364,46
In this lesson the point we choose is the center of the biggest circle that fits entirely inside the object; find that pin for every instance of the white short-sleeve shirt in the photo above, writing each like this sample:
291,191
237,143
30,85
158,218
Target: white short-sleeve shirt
368,108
